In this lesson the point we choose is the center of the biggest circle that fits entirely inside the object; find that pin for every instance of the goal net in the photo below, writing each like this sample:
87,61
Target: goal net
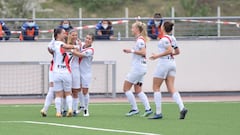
31,78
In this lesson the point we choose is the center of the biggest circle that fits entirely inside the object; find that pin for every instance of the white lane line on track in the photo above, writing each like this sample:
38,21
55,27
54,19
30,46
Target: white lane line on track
81,127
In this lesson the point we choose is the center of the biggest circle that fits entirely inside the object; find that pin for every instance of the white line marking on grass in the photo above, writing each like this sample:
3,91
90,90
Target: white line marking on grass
81,127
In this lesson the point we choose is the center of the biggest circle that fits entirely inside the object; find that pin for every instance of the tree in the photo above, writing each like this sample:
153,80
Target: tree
195,7
17,8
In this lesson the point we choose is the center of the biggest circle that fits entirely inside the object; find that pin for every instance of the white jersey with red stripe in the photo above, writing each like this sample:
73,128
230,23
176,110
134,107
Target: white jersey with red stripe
139,61
86,66
86,61
62,59
164,43
172,40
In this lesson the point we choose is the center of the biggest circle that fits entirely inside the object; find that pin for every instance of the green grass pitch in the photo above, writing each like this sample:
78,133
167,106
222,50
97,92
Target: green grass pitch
206,118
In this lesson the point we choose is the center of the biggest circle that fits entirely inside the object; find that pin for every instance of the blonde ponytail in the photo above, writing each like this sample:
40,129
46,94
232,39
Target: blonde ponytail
143,29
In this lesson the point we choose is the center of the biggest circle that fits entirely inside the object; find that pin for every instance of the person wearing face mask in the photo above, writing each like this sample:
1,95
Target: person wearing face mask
30,31
154,27
5,33
66,25
104,30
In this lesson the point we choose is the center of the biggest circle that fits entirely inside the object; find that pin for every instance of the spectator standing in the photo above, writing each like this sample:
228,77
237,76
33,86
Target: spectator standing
104,30
4,31
154,27
30,31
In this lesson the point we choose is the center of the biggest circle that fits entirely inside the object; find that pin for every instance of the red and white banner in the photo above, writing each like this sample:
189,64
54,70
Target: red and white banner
214,22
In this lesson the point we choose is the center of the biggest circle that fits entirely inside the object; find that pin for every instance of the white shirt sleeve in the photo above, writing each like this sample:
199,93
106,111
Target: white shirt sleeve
51,44
141,43
166,42
174,43
88,52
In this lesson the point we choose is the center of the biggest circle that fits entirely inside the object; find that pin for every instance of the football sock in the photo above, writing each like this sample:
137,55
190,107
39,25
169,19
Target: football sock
58,104
177,98
158,102
48,100
131,99
144,100
86,100
69,101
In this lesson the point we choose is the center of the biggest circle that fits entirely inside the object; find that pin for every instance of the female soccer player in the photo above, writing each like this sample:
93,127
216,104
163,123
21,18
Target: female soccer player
138,70
86,57
166,71
73,40
50,95
62,79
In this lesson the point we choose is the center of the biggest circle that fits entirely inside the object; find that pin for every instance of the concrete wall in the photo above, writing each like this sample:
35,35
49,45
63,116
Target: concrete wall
203,65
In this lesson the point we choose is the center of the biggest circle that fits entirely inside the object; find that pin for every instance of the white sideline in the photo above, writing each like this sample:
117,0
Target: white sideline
81,127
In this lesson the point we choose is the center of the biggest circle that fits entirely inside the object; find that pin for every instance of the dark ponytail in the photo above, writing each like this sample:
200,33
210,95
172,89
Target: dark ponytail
168,26
57,31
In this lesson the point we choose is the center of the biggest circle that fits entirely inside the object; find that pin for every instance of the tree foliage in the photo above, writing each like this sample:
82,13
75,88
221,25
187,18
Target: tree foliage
94,5
195,7
16,8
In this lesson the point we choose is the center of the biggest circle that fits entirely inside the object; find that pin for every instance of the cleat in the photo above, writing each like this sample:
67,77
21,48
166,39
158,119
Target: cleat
147,113
85,113
183,113
74,113
64,113
81,108
132,112
59,115
157,116
70,113
43,113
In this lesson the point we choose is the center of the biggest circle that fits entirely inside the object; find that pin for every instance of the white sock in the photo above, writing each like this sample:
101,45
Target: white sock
177,98
158,102
131,99
75,104
86,101
58,102
81,100
69,102
64,104
48,100
144,100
